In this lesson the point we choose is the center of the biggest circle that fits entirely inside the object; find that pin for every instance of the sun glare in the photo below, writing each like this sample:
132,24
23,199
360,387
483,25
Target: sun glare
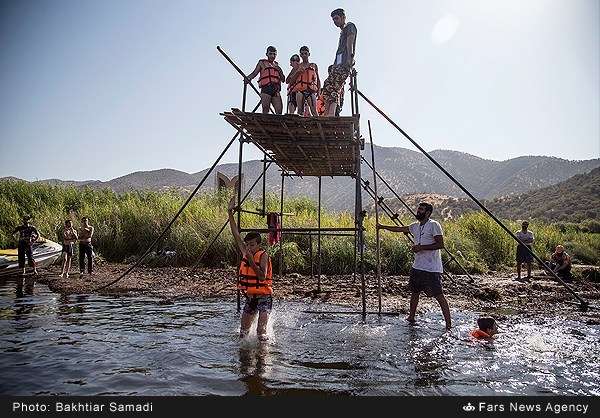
445,29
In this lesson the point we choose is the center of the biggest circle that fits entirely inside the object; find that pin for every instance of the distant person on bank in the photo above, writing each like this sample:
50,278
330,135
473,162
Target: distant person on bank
69,238
427,268
560,263
28,234
524,256
86,231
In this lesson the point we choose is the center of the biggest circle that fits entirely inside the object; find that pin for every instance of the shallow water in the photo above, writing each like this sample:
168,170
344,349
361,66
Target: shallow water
94,345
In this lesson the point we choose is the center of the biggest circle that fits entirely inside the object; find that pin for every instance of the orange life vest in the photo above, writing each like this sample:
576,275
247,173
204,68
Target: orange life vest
269,75
306,80
248,280
321,105
477,333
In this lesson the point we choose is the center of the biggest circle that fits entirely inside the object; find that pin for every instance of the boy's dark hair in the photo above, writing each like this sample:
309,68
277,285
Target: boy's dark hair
271,48
252,235
304,48
338,12
485,323
295,57
427,206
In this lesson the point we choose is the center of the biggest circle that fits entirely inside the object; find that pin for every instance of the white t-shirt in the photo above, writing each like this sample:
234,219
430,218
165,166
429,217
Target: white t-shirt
428,260
526,237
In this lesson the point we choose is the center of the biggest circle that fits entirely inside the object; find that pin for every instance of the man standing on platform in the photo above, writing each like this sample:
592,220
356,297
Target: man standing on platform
271,77
342,65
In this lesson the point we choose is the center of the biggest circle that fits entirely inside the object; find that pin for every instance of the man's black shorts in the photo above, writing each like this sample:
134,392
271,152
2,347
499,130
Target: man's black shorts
271,89
425,281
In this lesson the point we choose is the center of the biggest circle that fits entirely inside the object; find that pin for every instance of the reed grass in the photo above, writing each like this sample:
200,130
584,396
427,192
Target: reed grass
126,224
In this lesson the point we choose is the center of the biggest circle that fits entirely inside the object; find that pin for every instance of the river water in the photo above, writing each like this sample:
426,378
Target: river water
97,345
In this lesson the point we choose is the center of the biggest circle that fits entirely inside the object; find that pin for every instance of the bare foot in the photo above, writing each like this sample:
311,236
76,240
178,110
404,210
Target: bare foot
410,320
263,337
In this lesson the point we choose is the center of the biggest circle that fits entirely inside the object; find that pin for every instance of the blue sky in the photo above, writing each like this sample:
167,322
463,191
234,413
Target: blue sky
99,89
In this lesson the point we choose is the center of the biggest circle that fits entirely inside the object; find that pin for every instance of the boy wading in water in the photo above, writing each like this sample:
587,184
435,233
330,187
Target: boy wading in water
255,279
427,269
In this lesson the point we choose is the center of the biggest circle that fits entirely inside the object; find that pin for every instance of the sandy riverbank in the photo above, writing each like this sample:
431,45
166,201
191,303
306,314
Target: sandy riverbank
498,294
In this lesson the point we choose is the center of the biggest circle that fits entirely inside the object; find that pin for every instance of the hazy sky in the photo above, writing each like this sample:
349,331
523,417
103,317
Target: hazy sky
99,89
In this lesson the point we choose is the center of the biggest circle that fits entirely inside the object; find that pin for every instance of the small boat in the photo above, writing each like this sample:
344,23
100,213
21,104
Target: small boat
45,252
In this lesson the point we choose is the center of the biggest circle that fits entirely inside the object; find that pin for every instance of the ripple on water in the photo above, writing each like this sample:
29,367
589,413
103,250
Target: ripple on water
90,344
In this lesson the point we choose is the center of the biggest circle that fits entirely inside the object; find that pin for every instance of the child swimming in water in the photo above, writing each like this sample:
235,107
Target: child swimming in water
487,328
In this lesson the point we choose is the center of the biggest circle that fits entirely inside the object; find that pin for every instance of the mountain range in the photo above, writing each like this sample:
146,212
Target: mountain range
407,172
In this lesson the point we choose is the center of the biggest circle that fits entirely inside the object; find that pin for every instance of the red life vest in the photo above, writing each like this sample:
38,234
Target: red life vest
479,334
248,280
269,75
306,80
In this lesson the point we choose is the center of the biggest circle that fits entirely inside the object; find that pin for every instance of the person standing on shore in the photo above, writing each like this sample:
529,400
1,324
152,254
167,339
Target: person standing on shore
86,231
524,256
255,279
427,268
69,238
28,234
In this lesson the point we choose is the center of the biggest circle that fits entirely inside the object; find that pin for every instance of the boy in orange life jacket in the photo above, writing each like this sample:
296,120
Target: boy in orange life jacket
269,82
292,106
487,328
305,83
255,280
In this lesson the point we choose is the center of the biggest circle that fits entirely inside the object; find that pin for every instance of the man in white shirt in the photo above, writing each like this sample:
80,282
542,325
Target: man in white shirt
524,256
427,269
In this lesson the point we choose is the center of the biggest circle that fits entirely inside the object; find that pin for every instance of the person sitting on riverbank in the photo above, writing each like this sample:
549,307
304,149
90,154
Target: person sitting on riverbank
486,328
85,246
69,238
560,263
28,234
255,279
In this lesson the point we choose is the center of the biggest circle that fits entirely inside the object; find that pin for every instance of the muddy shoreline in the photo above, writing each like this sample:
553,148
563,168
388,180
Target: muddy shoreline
499,294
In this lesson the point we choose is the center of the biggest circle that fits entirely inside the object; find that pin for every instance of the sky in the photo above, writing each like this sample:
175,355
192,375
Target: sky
99,89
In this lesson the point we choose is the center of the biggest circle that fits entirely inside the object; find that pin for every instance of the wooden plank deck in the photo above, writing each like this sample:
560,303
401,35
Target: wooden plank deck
306,146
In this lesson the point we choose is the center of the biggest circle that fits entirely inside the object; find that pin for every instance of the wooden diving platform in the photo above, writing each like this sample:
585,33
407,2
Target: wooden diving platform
306,146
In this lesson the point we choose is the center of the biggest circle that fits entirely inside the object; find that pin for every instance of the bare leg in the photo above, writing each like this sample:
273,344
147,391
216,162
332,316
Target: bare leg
518,270
64,265
312,102
529,270
300,103
265,101
414,301
331,108
246,323
261,329
291,108
445,309
69,258
277,104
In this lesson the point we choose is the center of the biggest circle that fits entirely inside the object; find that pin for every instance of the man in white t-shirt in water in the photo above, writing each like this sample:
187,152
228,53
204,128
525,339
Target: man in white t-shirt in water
427,269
